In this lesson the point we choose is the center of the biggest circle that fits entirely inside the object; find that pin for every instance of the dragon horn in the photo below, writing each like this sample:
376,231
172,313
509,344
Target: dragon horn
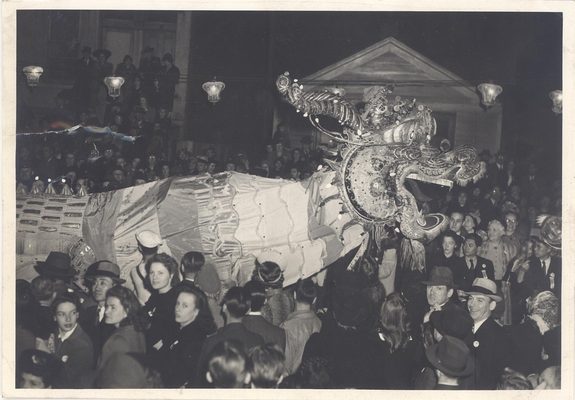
319,103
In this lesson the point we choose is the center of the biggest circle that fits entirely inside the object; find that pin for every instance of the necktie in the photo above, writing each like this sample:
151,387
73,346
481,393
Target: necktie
100,315
471,266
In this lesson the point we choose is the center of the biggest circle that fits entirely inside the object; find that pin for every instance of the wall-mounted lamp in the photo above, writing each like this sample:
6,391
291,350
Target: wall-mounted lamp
557,97
114,83
213,89
489,93
33,73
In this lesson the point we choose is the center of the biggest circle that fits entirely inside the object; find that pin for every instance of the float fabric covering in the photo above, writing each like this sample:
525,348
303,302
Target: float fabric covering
232,218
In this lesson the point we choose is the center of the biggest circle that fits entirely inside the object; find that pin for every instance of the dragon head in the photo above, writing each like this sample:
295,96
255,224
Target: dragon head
381,150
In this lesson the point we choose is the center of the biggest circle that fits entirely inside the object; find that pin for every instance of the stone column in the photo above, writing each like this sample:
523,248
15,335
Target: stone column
182,61
89,34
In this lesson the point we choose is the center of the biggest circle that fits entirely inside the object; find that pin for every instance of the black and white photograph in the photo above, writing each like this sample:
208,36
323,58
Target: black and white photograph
294,200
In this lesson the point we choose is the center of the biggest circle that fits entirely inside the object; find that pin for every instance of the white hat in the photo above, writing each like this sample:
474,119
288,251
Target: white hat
148,239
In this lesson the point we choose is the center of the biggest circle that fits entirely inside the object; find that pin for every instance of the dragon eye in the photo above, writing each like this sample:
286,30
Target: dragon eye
377,164
377,187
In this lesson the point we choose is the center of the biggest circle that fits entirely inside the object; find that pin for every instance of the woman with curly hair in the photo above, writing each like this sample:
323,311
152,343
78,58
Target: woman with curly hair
179,356
162,271
279,304
495,249
396,356
123,311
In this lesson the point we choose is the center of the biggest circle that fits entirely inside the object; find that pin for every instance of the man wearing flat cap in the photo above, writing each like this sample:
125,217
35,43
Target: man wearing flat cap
490,346
100,277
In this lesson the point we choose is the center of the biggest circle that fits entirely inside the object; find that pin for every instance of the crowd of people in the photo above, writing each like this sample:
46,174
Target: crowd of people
75,164
484,311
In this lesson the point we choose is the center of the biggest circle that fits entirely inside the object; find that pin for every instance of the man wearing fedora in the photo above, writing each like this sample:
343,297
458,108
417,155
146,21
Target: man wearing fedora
58,268
452,322
440,289
490,347
451,360
100,276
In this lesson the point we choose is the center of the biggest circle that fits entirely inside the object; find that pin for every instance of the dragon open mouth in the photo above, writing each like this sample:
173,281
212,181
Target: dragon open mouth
425,189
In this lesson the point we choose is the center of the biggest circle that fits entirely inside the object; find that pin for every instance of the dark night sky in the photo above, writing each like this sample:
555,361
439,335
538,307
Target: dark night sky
520,51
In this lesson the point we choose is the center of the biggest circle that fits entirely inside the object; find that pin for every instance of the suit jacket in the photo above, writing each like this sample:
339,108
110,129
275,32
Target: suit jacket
98,331
178,358
125,339
235,331
268,331
490,349
536,280
481,265
77,356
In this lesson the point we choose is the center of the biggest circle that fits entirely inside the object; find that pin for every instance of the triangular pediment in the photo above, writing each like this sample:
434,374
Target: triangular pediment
391,61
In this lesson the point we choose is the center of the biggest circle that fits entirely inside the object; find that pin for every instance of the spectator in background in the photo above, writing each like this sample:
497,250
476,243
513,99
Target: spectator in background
396,354
255,322
235,306
279,304
469,224
124,312
168,79
266,367
37,370
300,324
44,293
100,276
495,249
490,346
85,75
227,366
71,344
477,267
451,360
26,324
162,271
127,70
179,354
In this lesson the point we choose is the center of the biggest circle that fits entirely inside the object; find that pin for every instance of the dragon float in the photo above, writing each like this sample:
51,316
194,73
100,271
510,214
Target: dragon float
235,218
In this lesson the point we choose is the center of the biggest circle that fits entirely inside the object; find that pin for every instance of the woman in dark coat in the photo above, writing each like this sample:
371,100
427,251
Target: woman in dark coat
162,271
178,357
71,345
396,354
123,311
